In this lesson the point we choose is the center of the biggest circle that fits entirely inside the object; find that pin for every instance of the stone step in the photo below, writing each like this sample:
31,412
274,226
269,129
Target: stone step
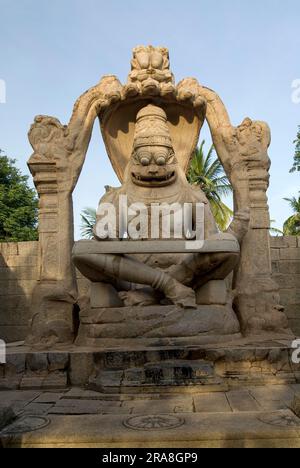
154,375
229,366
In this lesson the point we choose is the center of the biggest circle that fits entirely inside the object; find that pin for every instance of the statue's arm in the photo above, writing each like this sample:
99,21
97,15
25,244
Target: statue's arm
240,224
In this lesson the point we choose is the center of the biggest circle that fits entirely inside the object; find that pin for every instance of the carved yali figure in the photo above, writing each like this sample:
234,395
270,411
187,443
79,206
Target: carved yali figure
153,176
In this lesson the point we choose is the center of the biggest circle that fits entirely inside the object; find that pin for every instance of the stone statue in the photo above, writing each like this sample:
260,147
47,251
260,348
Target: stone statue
153,291
153,175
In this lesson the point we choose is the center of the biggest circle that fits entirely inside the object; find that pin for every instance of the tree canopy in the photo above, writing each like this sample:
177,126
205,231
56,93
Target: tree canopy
18,204
292,225
296,166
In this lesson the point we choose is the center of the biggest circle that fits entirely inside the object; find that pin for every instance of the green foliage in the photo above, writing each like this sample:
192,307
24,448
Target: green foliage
292,225
296,166
88,221
18,204
274,231
208,173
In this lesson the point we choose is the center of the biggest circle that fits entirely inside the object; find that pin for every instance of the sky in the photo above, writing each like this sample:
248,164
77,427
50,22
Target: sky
51,52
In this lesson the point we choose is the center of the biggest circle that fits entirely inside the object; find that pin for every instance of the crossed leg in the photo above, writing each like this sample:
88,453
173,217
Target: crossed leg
106,267
198,269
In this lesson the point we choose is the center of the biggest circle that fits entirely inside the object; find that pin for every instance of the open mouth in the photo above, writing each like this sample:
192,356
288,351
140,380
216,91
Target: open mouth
151,180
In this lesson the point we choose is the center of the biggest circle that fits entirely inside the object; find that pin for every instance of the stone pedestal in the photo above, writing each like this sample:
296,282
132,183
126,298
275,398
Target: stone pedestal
213,292
104,295
157,326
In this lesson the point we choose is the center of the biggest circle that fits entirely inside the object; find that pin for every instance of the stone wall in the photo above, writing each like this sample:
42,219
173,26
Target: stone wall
18,277
286,270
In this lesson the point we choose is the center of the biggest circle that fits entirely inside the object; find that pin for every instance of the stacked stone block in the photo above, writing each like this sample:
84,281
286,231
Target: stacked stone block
18,277
285,252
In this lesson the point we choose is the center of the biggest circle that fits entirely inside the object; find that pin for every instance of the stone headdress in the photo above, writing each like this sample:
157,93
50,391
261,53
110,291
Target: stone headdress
152,128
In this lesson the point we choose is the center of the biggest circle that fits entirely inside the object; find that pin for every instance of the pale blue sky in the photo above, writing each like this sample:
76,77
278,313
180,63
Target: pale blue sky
248,51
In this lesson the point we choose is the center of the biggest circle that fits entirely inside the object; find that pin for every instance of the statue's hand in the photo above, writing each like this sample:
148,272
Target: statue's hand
240,224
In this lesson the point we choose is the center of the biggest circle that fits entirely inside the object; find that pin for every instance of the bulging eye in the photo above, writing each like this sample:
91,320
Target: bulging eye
161,157
161,161
145,160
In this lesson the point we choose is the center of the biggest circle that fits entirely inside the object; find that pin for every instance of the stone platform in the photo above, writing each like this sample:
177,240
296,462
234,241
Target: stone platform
161,369
239,394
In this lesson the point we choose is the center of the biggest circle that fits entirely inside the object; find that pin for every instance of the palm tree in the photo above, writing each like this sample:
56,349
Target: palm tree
275,231
88,221
292,225
208,173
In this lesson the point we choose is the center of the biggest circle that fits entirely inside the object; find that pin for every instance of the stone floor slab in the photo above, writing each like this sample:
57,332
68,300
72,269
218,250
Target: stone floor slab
86,403
161,406
88,409
241,400
49,397
211,403
68,406
81,393
18,395
273,397
73,410
37,409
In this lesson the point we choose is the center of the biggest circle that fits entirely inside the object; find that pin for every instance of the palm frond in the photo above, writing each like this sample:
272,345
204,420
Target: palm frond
88,221
215,170
294,203
274,230
208,172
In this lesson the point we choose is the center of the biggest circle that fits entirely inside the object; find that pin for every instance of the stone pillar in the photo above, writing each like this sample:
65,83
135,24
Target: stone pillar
257,298
59,154
56,292
243,151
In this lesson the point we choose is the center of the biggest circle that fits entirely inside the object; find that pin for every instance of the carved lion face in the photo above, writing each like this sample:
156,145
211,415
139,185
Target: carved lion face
153,166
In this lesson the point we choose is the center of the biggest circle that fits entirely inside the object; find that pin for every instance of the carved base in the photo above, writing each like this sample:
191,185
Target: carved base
258,306
52,318
157,326
247,362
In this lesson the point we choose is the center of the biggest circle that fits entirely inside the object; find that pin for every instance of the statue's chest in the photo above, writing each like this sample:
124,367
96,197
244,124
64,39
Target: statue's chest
164,218
165,215
177,195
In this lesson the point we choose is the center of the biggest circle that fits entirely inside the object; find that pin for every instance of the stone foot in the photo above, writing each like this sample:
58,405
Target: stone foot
180,295
143,298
